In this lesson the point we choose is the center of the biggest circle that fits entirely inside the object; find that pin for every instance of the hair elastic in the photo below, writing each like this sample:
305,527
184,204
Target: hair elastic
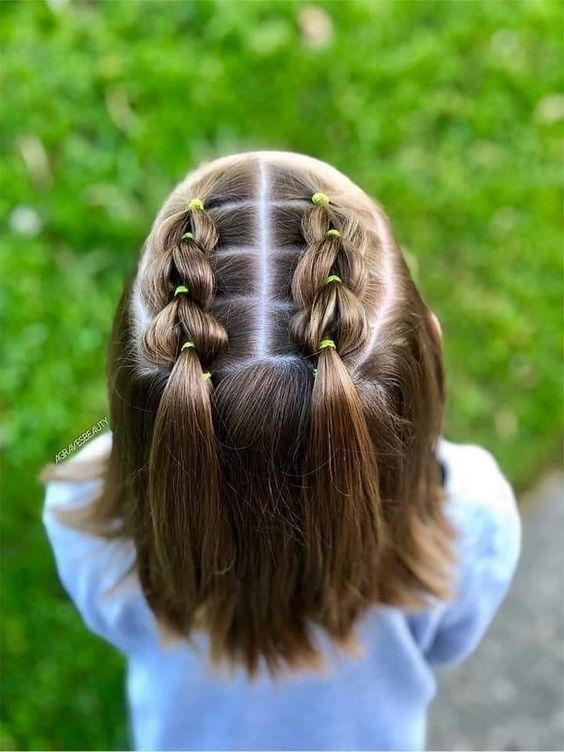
333,278
181,289
206,375
196,204
320,199
188,345
332,233
188,236
327,343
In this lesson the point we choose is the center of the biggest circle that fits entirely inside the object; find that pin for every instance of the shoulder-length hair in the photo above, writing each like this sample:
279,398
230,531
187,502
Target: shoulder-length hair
276,393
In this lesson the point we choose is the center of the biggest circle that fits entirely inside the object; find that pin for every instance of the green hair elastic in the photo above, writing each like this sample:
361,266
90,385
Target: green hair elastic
327,343
333,278
196,204
206,375
333,233
188,236
320,199
181,289
188,346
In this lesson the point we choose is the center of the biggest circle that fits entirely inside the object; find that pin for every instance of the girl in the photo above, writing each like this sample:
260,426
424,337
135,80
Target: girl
274,498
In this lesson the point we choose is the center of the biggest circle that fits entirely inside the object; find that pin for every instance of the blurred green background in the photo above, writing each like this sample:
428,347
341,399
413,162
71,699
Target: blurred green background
450,113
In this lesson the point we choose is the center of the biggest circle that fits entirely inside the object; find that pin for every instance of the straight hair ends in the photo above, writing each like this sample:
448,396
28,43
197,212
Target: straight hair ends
343,508
190,544
273,487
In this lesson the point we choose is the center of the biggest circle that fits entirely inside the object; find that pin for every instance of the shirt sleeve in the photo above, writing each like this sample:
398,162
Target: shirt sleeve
98,574
482,508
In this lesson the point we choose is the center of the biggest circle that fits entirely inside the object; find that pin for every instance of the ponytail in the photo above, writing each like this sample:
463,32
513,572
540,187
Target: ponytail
186,535
341,499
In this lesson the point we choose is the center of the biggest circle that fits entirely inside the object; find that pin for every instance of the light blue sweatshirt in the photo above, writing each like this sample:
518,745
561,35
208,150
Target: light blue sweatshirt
377,701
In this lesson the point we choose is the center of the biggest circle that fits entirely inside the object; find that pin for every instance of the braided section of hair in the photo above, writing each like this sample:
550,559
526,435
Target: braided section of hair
183,260
342,504
189,542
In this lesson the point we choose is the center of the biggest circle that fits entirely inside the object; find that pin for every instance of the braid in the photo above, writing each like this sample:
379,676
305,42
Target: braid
327,308
184,338
340,467
184,315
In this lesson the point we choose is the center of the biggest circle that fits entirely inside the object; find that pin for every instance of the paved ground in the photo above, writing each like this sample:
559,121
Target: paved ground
510,694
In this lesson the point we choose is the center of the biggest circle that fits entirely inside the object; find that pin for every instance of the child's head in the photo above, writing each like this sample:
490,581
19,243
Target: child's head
276,395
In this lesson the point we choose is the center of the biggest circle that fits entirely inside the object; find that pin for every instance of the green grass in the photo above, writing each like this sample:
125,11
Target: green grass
448,112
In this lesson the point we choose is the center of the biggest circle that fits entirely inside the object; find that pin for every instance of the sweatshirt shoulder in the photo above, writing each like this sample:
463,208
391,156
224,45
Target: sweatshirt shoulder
70,489
482,507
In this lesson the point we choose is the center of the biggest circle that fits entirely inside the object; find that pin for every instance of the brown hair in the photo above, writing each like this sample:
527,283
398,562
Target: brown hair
275,419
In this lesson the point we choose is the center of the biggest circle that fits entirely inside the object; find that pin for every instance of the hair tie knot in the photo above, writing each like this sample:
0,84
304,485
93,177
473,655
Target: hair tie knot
196,204
188,236
320,199
188,346
327,343
333,278
332,233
